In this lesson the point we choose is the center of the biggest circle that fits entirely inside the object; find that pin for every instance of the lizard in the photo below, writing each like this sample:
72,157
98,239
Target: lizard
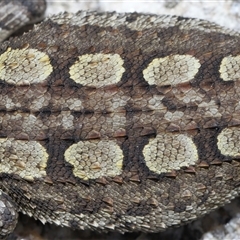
117,121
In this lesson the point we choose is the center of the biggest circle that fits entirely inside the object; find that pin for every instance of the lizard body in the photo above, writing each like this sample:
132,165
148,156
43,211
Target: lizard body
124,122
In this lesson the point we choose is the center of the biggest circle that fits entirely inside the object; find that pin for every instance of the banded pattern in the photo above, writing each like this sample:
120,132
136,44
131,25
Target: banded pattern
120,122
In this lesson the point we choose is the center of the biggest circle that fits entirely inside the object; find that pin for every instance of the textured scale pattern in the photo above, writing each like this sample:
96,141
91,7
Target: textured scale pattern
124,122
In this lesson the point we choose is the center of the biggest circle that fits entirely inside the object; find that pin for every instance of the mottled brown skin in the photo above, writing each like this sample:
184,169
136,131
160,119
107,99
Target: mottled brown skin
138,199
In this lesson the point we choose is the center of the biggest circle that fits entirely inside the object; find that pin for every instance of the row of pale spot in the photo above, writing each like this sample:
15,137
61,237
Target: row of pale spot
116,101
99,70
92,159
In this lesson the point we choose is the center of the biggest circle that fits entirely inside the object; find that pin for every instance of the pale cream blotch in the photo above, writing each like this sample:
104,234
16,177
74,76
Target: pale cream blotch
169,152
97,70
229,141
171,70
28,159
230,68
24,66
95,158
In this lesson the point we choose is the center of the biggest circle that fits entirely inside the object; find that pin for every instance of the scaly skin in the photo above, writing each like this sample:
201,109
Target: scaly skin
124,122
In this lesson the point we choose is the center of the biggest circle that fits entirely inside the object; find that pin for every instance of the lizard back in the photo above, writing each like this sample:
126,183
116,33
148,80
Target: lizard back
124,122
